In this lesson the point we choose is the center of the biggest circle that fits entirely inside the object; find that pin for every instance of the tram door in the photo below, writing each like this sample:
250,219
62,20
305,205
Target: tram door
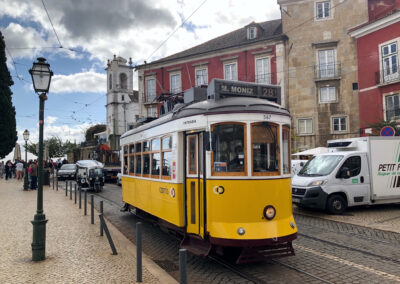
195,184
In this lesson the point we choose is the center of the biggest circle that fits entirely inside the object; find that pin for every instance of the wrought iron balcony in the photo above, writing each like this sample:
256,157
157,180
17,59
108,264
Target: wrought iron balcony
327,71
387,76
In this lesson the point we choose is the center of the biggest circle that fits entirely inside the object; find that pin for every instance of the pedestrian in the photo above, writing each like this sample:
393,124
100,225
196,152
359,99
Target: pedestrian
29,171
7,169
1,169
34,173
13,170
19,168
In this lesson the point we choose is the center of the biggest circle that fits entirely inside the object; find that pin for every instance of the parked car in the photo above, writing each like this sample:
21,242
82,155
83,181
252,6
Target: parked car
67,171
119,182
90,175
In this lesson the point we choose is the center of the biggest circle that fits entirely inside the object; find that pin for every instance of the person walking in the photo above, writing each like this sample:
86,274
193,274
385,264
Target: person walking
34,174
1,169
7,169
19,168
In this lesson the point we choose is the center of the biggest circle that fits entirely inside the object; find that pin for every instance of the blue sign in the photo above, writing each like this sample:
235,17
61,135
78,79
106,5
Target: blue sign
387,131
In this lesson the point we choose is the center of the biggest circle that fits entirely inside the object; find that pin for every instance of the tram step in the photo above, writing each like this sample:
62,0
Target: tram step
196,245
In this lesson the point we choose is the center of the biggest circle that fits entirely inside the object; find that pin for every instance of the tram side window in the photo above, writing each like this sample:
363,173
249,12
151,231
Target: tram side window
126,161
286,149
264,137
146,158
166,158
138,159
229,154
155,158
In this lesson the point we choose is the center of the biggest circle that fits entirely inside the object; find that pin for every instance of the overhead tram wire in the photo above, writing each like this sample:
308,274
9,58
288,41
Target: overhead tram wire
44,6
181,25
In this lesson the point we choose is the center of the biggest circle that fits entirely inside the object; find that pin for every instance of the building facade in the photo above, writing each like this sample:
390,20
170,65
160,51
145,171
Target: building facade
378,43
124,106
254,53
321,65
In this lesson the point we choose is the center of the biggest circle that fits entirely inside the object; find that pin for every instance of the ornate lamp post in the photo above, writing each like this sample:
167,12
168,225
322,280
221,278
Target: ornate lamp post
41,77
26,138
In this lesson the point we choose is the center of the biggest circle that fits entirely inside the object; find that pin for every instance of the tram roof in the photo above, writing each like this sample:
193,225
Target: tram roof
211,107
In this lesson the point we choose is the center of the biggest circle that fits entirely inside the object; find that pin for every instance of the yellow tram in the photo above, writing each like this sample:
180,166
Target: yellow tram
217,170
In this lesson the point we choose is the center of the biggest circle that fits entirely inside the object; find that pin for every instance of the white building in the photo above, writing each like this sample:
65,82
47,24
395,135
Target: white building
124,106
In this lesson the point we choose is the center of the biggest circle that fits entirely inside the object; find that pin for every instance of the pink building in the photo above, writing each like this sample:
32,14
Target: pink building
378,43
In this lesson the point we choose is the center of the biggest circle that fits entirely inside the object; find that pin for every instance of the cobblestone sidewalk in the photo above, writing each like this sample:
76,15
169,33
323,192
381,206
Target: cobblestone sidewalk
75,253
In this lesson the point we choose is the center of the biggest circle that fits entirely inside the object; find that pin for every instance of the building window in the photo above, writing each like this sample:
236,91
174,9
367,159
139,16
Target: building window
323,9
389,53
122,98
123,81
305,126
152,111
251,33
150,90
327,94
110,82
392,107
339,124
326,63
175,80
201,76
263,70
230,71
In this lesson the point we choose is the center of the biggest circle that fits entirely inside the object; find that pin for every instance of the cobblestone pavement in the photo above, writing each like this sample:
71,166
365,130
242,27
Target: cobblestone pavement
75,253
327,251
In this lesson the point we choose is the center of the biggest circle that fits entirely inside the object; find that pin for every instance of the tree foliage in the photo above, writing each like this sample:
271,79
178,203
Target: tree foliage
377,127
57,148
8,126
89,135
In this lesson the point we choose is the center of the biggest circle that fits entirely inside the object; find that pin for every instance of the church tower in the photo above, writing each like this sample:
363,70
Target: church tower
122,101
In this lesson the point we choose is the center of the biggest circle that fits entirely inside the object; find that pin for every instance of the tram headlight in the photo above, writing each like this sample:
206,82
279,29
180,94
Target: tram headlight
269,212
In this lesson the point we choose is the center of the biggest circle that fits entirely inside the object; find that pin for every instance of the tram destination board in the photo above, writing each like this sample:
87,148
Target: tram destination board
218,89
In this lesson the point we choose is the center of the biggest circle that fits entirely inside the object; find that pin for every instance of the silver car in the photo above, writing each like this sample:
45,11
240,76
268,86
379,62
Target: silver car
67,171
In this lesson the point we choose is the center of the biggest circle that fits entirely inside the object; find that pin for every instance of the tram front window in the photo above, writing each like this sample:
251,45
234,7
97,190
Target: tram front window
229,154
265,147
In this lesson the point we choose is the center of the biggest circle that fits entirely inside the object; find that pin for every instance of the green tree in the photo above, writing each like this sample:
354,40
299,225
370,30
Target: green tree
89,135
8,125
377,127
57,148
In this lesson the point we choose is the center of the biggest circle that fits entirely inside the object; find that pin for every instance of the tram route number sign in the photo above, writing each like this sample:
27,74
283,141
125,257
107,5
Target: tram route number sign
223,88
387,131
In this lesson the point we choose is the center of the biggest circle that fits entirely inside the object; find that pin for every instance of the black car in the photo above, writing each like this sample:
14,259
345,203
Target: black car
67,171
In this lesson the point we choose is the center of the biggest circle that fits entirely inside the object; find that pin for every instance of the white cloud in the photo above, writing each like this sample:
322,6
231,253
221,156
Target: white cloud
79,83
50,119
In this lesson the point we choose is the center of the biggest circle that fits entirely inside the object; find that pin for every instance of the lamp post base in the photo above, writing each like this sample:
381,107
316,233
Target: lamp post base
26,182
39,237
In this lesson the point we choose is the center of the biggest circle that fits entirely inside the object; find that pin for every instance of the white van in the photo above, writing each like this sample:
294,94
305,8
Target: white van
355,171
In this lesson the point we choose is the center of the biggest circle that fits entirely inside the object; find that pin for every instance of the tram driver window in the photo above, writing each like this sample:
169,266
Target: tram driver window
229,154
264,137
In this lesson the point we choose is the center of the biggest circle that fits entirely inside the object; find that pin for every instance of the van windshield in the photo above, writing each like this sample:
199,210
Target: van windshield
320,165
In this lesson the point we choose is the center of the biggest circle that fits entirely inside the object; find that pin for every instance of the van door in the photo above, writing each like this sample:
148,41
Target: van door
356,183
195,181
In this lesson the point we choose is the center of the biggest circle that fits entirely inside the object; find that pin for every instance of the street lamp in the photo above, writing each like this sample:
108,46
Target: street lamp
26,138
41,77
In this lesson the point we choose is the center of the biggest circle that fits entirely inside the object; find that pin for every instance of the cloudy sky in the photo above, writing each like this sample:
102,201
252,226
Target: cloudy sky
80,36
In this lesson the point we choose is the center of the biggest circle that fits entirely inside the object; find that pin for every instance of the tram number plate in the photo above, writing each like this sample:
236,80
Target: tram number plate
295,200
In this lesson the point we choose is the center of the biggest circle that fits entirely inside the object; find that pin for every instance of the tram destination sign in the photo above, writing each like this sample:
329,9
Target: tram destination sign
219,89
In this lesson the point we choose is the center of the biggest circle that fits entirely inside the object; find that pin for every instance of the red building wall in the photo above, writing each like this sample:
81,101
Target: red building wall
370,94
379,8
215,65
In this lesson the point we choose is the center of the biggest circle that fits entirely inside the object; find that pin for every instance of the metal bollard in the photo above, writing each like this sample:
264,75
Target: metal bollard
70,190
66,188
139,252
75,193
53,180
182,266
56,183
85,203
101,212
92,209
110,241
80,198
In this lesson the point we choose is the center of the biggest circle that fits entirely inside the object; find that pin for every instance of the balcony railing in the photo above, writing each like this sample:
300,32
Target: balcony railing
385,77
327,71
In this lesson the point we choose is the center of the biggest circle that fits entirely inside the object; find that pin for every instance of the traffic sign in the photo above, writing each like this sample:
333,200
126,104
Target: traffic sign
387,131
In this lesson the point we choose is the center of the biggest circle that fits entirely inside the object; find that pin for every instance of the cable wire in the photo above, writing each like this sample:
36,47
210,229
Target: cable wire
44,6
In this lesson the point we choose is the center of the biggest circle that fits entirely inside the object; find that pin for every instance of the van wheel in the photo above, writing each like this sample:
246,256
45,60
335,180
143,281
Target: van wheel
336,204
